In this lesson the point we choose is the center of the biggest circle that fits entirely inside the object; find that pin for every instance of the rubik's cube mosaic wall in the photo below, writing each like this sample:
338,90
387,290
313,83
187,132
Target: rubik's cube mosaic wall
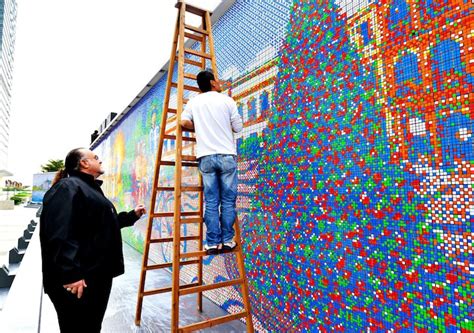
356,164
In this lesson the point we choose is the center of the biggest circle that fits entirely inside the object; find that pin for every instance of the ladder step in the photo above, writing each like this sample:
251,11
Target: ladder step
192,188
187,130
192,9
193,254
212,322
189,158
196,29
170,239
173,163
171,214
192,290
194,36
167,289
190,76
192,220
172,110
184,138
183,188
170,264
203,253
186,87
172,119
198,53
191,62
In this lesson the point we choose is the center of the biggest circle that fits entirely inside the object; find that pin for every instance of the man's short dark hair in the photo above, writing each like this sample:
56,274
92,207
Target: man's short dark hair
204,79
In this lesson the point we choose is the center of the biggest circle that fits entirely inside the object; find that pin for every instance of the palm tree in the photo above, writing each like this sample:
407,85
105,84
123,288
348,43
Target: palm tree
52,165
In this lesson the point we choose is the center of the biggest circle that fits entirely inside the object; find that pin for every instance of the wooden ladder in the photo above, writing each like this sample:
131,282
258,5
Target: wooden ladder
171,130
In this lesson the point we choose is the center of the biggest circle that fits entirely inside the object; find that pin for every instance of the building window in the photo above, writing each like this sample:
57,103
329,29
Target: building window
447,63
399,13
407,74
252,109
364,31
264,104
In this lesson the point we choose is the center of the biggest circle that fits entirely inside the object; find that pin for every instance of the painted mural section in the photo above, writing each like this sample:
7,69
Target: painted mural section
356,164
41,183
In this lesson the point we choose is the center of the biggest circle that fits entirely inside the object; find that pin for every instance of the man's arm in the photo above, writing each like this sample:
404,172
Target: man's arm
187,117
235,118
187,124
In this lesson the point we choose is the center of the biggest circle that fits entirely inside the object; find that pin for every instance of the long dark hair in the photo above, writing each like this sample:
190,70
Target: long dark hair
70,163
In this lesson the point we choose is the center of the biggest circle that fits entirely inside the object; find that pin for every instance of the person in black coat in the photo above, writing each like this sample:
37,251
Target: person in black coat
81,244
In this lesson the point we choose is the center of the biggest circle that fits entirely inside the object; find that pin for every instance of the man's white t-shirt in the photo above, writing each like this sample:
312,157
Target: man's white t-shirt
216,118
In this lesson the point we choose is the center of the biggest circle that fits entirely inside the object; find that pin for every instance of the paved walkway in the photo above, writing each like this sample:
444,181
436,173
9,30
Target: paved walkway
25,300
156,315
12,224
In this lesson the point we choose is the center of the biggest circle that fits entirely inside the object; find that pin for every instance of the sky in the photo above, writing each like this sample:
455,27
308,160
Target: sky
75,62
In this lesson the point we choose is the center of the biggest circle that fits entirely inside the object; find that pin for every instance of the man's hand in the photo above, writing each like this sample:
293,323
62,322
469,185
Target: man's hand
187,124
140,210
76,287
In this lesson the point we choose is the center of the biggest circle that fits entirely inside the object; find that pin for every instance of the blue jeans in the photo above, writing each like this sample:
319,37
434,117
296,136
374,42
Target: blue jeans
219,177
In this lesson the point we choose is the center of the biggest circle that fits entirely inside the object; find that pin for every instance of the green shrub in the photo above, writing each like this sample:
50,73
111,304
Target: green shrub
17,199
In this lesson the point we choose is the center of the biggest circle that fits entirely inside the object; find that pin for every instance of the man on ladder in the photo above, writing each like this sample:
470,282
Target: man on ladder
214,118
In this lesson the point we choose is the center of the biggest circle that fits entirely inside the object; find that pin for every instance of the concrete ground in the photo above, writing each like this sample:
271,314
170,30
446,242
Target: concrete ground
22,312
156,313
12,224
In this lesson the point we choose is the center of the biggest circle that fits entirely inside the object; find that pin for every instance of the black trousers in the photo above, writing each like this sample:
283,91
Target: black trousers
84,314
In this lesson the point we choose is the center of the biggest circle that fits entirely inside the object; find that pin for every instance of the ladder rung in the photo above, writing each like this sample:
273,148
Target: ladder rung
203,253
186,87
187,130
212,322
172,110
193,254
170,264
196,29
190,76
183,188
170,239
171,214
192,188
173,163
171,119
189,158
191,62
192,9
192,290
168,289
184,138
192,220
194,36
198,53
165,188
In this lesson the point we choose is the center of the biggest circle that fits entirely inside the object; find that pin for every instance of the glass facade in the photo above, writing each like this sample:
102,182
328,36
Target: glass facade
8,13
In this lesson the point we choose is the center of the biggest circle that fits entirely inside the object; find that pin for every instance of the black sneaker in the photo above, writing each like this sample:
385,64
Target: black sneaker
229,246
212,249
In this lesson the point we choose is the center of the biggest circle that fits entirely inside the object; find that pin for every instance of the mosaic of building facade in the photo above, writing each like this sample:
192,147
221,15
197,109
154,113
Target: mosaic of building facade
356,163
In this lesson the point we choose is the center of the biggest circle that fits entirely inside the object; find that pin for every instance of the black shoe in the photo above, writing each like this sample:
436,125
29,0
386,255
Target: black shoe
229,246
212,249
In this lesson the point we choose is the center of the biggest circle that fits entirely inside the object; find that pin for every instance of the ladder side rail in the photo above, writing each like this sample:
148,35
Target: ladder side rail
211,44
178,170
205,41
243,276
156,175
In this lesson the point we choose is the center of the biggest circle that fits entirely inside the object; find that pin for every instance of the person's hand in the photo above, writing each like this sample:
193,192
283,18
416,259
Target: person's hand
76,287
140,210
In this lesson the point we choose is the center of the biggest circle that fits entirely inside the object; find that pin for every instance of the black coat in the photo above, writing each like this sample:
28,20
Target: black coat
80,232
